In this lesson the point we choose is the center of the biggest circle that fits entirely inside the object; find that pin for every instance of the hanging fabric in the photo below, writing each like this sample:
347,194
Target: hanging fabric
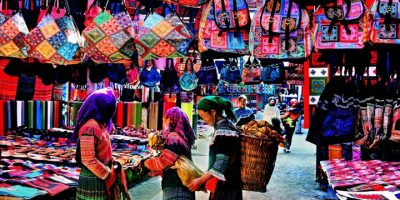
138,114
144,118
385,23
31,114
49,114
74,112
166,107
130,113
119,114
42,91
2,118
57,114
20,113
153,115
38,115
187,108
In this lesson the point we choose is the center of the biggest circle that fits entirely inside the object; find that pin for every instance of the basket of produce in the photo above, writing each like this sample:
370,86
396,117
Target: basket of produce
259,148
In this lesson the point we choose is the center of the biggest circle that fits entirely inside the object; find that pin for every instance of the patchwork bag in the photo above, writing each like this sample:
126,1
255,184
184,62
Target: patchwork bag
207,74
169,80
386,22
12,36
340,25
281,30
163,37
187,3
251,71
149,77
55,40
110,38
231,71
224,27
188,80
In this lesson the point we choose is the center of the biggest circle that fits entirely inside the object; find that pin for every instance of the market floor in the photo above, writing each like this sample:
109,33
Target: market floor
292,179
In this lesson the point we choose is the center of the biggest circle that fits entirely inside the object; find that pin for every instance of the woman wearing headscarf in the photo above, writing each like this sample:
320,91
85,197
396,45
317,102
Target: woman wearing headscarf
94,152
179,138
271,111
223,175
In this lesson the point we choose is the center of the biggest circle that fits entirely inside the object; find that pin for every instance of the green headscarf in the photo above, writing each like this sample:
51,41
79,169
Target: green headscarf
218,104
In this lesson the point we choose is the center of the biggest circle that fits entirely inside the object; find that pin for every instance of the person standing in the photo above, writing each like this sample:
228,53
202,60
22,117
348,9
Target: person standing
289,120
94,152
179,139
243,114
223,175
272,111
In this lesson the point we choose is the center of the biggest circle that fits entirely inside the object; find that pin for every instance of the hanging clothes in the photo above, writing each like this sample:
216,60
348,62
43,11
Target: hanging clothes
31,114
153,115
50,114
2,119
39,115
187,107
57,114
20,113
138,113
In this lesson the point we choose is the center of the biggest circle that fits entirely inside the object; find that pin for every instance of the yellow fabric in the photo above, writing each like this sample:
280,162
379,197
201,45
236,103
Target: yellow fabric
187,170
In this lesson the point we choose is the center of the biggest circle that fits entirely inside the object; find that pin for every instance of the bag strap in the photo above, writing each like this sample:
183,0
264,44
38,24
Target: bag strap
271,19
224,16
53,4
287,23
335,17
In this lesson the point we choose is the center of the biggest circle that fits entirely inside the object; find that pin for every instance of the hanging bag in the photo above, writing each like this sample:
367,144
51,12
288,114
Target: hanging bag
187,3
281,30
169,80
386,22
12,35
55,40
224,27
163,37
150,77
272,73
188,80
251,71
110,38
340,25
207,74
231,71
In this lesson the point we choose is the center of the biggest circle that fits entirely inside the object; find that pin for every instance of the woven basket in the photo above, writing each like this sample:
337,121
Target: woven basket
258,162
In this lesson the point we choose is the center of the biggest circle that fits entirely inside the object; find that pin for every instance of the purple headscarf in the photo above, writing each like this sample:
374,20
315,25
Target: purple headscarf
100,106
179,123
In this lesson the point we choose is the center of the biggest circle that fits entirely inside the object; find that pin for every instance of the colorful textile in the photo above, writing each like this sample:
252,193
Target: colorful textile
90,186
20,113
166,159
95,149
57,114
163,37
386,15
39,115
50,187
153,115
12,33
219,37
49,114
109,38
8,85
31,114
2,118
341,26
188,109
187,3
55,41
280,33
20,191
119,115
42,92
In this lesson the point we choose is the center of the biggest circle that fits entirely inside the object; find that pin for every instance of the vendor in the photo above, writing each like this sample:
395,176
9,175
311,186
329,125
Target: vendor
243,111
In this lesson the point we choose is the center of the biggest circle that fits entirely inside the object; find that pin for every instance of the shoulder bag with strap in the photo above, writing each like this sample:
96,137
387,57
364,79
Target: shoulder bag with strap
386,22
281,30
188,80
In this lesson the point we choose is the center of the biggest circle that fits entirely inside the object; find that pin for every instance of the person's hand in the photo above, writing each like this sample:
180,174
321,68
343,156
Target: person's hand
195,184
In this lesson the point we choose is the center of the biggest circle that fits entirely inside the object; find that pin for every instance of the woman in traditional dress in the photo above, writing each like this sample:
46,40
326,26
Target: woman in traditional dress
179,138
223,175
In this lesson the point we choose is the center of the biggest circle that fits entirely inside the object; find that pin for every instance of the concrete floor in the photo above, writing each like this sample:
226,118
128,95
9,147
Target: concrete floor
292,179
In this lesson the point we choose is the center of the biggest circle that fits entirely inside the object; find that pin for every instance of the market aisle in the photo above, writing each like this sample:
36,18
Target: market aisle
293,177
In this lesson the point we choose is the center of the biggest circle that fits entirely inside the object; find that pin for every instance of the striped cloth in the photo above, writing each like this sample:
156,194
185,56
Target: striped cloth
180,193
90,186
42,92
31,114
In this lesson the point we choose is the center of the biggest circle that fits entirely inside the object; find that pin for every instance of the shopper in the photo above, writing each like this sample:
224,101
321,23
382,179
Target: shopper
289,120
223,175
94,153
179,138
243,114
272,111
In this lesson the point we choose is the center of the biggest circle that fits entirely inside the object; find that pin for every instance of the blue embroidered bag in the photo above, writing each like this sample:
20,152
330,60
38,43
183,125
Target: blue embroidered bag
207,73
231,72
188,80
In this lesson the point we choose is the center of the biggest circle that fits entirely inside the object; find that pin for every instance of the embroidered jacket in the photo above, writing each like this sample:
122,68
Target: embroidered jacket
96,153
224,156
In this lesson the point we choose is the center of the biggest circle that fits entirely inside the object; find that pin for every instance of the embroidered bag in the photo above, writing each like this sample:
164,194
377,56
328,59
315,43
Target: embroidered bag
169,80
150,77
207,74
251,71
231,71
281,30
340,25
386,22
224,27
163,37
187,3
272,73
55,40
188,80
12,35
110,38
254,4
